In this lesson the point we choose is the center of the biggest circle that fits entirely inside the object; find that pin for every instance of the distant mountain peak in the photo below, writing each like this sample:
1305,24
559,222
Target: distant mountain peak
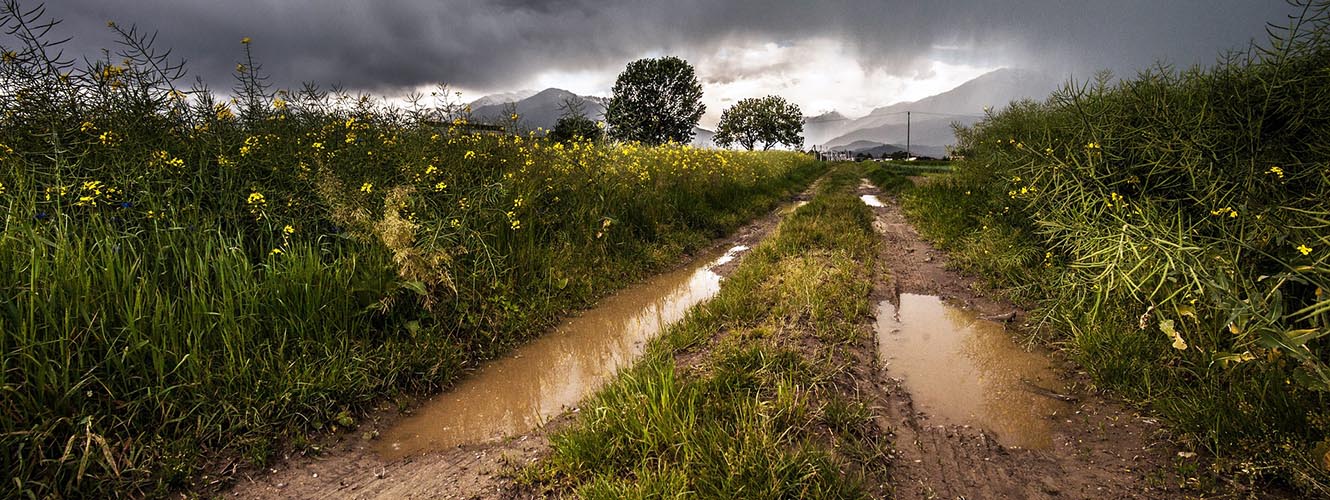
934,115
829,116
502,98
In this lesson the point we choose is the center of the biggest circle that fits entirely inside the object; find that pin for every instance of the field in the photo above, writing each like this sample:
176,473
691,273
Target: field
196,288
188,281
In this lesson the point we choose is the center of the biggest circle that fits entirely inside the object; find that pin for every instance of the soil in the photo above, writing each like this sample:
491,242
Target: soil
348,467
1101,448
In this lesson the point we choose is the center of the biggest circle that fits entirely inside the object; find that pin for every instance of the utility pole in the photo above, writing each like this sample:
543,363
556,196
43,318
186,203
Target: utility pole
907,136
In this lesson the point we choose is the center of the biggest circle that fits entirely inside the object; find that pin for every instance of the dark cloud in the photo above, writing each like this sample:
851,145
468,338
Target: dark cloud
387,46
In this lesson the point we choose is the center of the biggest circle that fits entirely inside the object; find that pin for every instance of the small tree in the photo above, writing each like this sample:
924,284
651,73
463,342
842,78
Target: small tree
573,124
768,120
655,101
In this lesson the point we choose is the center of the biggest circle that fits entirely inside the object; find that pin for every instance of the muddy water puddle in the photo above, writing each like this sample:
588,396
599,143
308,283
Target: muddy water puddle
961,369
545,377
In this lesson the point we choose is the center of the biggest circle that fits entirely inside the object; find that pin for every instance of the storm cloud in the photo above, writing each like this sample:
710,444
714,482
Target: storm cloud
387,47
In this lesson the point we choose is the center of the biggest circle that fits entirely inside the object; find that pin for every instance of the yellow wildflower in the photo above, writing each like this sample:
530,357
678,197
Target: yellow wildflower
288,230
87,126
469,155
367,188
440,186
245,40
1304,249
256,198
275,251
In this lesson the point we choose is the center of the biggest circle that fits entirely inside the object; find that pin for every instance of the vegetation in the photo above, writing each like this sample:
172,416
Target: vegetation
574,126
764,412
1174,228
768,120
185,280
655,101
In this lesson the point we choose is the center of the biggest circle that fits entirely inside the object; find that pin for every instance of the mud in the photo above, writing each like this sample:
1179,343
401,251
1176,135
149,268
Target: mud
1092,448
961,369
549,375
481,463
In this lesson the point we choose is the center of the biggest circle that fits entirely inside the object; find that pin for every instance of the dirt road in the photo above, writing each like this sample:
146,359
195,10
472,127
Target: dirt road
1098,449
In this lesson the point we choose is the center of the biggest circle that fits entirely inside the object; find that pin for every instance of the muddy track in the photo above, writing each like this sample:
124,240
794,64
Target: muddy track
1101,449
349,467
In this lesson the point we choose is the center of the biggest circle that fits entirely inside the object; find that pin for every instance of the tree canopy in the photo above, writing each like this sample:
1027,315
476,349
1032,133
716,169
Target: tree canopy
655,101
574,124
769,120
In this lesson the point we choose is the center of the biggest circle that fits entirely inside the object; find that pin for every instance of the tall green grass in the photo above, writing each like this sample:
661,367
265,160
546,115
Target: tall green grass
1175,227
185,280
765,413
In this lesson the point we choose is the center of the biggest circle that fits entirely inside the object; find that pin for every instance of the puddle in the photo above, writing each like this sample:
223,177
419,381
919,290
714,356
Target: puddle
871,200
965,370
543,378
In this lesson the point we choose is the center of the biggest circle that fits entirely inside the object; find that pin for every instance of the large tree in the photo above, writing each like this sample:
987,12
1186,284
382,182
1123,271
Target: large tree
655,101
767,120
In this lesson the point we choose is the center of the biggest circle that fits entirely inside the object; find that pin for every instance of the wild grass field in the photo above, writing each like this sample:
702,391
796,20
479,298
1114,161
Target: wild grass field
187,281
1173,229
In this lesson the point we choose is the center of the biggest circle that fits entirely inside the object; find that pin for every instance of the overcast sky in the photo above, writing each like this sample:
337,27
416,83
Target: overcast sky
850,55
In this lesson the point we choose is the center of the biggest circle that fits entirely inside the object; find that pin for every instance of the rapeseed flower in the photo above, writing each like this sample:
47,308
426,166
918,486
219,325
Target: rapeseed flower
1304,249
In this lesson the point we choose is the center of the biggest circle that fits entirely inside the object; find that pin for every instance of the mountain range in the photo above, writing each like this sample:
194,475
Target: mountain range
881,130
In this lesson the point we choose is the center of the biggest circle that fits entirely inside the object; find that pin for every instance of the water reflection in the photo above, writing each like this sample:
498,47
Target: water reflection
546,376
966,370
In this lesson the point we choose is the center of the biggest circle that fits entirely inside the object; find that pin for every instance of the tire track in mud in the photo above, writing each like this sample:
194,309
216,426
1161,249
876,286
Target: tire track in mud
1100,449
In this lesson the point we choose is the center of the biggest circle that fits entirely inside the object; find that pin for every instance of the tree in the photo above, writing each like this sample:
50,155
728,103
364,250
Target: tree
655,101
573,124
767,120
